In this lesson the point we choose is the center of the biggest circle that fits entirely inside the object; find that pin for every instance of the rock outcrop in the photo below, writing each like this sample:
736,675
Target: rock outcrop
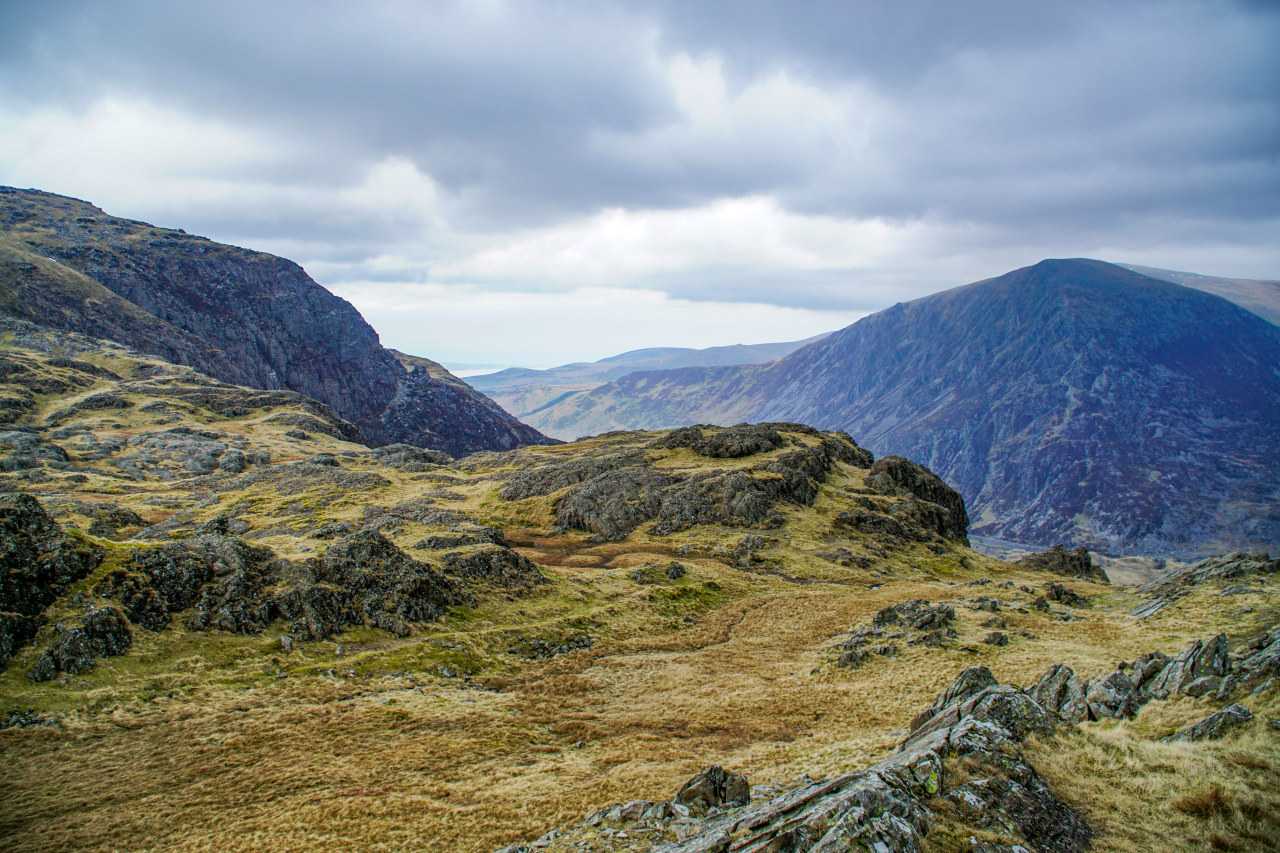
1074,564
626,492
38,562
977,723
889,806
1168,588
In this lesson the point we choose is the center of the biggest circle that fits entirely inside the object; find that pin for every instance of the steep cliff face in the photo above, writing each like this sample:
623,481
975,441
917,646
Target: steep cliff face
244,317
1070,401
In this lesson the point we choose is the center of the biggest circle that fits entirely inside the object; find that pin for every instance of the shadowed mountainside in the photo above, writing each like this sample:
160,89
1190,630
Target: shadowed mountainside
528,393
1070,401
241,316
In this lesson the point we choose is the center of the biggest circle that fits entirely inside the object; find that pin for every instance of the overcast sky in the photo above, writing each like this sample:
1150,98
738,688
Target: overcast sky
530,184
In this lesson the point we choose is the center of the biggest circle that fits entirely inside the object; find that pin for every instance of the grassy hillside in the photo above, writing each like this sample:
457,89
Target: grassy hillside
529,706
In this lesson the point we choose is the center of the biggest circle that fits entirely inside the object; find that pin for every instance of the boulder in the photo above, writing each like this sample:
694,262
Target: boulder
1060,691
1215,725
1060,561
1113,695
100,632
917,614
1064,595
894,475
1201,658
714,787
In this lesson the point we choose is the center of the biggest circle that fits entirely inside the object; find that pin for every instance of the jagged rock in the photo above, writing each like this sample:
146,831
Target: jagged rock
996,638
553,476
101,632
886,807
726,443
364,578
1201,658
714,787
1259,660
1112,695
1144,670
917,614
494,565
894,475
238,597
38,562
968,683
1060,691
409,458
1076,563
614,503
476,536
1215,725
1064,595
1165,590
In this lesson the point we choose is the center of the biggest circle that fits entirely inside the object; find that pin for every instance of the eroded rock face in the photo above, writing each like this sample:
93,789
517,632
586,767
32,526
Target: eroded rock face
38,562
100,632
495,565
894,475
1166,590
714,787
1075,564
1215,725
1059,690
616,501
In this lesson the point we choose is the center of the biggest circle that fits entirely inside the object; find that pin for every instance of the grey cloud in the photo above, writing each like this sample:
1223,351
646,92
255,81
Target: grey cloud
1063,124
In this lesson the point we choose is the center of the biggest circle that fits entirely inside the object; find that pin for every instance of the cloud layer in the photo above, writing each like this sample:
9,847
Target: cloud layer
787,167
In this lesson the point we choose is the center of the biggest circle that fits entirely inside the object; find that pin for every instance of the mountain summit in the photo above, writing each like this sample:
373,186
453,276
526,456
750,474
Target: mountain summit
241,316
1072,400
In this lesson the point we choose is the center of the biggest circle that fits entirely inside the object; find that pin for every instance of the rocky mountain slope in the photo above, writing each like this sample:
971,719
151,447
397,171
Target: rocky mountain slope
241,316
225,624
1262,297
1072,401
528,393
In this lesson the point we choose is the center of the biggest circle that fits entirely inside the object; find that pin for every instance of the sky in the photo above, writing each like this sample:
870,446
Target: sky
534,183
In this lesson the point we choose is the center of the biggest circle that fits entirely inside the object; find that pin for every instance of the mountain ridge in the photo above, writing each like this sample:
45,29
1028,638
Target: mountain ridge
239,315
1011,386
525,392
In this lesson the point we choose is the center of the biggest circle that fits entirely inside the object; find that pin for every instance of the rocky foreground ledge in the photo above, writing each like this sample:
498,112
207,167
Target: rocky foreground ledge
963,756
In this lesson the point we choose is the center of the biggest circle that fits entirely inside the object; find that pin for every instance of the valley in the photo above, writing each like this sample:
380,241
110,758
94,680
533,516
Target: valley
620,613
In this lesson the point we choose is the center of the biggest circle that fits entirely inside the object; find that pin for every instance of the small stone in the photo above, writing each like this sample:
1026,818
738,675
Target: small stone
996,638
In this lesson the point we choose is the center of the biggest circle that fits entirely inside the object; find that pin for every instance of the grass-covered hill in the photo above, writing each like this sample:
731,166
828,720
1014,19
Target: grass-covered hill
226,624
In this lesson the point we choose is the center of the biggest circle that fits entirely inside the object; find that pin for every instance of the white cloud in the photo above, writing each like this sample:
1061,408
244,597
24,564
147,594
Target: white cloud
473,324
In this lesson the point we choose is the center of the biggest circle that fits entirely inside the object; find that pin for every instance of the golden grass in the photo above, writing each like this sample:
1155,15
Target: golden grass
211,741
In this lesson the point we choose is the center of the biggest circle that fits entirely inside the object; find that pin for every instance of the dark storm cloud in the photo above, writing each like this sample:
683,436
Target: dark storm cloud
1092,123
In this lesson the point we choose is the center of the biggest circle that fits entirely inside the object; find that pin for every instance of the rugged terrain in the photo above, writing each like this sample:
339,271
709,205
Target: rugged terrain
1071,401
528,394
227,624
241,316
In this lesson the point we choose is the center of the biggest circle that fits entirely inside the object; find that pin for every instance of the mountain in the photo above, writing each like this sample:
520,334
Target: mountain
241,316
1071,401
225,625
528,393
1262,297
